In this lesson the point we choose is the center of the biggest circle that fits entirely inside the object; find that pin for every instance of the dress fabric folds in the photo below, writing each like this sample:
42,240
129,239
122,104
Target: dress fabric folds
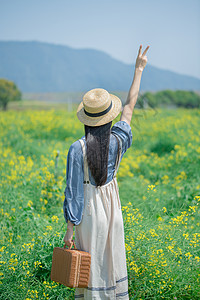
101,233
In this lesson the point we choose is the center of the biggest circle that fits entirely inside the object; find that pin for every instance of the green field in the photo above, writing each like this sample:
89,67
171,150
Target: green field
159,182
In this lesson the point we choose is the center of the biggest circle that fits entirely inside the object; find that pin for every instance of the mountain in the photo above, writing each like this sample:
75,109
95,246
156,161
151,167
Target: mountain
43,67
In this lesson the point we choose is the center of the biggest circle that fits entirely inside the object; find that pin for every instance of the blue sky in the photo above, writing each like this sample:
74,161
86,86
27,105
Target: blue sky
171,28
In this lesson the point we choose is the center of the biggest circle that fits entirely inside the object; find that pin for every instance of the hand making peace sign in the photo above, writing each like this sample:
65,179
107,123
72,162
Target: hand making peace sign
141,59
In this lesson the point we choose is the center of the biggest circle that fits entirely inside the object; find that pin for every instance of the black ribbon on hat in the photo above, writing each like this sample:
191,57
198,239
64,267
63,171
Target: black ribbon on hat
99,113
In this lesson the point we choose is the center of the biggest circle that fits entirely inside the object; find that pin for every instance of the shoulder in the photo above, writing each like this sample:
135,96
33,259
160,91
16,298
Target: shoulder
123,130
75,151
121,125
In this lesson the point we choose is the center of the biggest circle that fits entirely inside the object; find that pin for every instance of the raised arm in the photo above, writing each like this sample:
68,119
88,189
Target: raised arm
135,86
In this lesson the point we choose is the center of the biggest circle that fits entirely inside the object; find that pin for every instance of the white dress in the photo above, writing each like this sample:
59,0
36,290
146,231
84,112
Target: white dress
101,233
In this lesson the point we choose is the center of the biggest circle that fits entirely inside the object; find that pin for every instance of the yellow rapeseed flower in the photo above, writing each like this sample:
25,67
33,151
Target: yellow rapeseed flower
54,219
164,209
30,203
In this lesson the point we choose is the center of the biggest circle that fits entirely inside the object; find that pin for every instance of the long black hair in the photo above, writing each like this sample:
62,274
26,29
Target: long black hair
97,149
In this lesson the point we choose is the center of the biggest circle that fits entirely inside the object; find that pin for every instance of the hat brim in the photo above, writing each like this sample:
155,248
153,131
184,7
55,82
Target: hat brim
98,121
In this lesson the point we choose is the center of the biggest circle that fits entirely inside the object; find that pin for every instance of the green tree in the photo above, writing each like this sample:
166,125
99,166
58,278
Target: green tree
8,92
179,98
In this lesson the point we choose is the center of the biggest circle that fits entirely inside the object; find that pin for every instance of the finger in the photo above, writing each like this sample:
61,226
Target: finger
145,51
140,50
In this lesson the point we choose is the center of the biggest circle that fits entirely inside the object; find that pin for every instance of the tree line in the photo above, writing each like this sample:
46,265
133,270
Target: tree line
166,98
179,98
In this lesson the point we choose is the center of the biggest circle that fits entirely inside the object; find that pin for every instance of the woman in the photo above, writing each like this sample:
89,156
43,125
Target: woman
92,202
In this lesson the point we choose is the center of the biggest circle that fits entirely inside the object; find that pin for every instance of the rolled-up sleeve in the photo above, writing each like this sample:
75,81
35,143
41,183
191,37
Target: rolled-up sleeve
123,130
74,191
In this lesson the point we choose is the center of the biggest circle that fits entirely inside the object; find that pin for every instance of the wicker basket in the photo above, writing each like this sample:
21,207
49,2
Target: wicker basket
71,267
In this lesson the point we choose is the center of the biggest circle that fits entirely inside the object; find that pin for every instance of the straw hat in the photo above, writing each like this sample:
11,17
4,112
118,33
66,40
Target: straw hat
98,107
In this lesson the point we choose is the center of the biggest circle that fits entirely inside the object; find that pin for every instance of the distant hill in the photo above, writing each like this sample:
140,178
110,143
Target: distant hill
43,67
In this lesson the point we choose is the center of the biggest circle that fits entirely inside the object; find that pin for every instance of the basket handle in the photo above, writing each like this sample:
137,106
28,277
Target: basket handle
73,243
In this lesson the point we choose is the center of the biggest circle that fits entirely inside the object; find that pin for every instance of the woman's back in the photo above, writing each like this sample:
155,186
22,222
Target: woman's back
74,191
123,131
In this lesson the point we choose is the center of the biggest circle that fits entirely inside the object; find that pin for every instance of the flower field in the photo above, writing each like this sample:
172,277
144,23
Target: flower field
159,183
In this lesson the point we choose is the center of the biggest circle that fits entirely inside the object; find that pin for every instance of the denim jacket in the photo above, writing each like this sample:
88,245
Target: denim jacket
74,192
